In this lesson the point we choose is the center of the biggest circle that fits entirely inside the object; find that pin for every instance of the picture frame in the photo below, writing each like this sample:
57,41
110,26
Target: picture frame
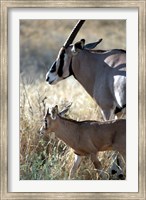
5,5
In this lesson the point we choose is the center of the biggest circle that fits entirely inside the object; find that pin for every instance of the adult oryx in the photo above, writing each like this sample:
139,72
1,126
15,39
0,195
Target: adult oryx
101,73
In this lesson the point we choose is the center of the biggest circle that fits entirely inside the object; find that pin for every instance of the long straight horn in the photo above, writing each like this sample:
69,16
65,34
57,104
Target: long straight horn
73,33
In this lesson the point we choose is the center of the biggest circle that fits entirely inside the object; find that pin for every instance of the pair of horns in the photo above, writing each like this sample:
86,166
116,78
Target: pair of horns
55,109
73,33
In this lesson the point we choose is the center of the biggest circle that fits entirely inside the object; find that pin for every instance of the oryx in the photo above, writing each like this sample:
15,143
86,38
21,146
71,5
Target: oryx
101,73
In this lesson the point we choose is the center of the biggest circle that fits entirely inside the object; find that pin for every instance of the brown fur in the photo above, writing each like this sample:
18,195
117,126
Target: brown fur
88,137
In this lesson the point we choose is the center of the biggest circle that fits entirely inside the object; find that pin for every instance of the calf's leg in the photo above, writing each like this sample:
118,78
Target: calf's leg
98,167
96,162
75,166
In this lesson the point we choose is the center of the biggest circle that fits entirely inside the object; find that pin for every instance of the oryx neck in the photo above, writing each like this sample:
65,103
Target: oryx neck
71,70
85,70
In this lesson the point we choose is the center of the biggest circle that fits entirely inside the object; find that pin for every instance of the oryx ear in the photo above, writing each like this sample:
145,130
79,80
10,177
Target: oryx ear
64,111
78,46
54,112
92,45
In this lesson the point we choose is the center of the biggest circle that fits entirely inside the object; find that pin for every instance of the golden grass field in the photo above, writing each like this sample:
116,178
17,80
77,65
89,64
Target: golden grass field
48,158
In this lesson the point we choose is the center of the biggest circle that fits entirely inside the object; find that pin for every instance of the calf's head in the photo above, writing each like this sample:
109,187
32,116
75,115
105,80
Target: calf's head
51,118
49,121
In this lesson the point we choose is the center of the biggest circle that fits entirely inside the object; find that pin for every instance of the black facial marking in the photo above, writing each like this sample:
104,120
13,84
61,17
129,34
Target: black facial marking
60,69
46,123
53,68
70,71
47,79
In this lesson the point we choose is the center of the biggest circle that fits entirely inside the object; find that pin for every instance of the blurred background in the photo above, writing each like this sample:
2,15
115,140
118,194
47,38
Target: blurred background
40,41
48,158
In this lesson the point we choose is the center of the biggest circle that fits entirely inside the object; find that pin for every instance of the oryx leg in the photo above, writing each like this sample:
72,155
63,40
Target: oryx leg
120,89
107,114
75,166
98,167
113,113
121,113
120,94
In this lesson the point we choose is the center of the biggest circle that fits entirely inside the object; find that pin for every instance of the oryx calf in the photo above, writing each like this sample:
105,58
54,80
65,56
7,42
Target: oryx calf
101,73
87,138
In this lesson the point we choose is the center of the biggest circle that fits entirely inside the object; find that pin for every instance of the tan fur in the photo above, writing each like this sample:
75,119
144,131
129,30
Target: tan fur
87,137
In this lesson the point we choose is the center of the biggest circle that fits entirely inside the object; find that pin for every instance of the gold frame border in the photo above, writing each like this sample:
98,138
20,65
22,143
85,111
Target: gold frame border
5,5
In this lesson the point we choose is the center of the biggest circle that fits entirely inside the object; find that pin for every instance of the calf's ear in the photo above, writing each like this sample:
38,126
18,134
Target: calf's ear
66,109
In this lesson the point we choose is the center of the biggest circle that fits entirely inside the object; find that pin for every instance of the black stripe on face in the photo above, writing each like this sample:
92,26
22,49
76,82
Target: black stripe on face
60,69
46,124
53,68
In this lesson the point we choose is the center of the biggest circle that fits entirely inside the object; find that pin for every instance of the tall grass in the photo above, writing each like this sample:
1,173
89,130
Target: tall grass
48,158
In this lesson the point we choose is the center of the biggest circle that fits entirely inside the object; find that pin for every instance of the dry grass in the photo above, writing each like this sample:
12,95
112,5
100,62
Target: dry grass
48,158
